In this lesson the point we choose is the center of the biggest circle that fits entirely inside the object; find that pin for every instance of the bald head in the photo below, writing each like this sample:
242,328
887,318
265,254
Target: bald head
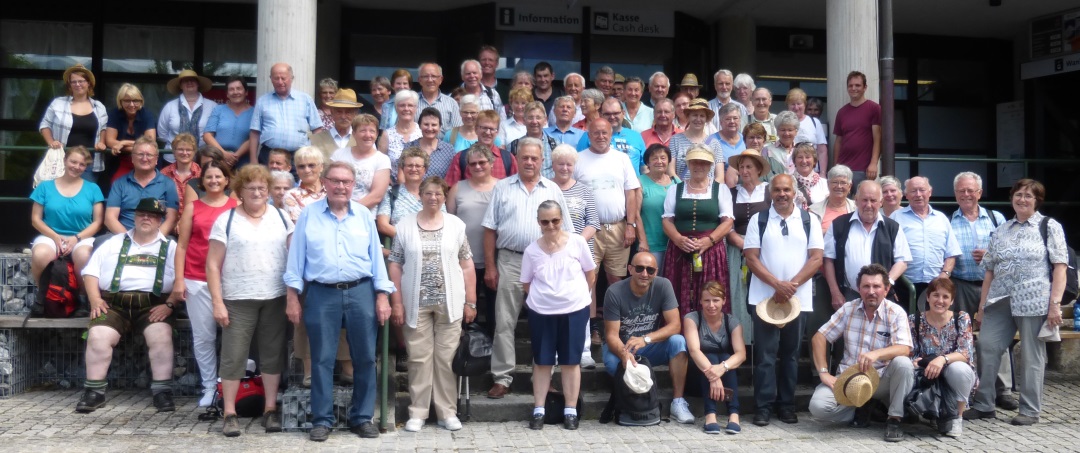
599,135
281,76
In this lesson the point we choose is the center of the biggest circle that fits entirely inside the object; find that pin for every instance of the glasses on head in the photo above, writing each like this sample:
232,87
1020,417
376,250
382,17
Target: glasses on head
479,163
552,222
800,144
490,130
339,182
783,227
646,269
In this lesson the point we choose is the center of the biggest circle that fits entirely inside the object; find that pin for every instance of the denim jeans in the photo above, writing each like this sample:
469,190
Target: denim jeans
730,380
326,312
658,353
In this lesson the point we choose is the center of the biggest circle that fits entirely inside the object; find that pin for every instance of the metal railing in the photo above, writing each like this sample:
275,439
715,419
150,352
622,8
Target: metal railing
37,149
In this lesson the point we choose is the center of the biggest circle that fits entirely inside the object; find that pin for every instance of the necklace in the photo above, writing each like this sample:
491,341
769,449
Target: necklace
691,186
249,214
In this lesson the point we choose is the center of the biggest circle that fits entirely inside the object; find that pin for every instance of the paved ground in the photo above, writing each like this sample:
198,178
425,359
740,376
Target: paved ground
44,421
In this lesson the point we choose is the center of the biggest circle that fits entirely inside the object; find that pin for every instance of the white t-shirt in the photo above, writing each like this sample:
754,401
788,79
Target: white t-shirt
134,277
609,175
254,254
781,254
557,283
365,169
811,130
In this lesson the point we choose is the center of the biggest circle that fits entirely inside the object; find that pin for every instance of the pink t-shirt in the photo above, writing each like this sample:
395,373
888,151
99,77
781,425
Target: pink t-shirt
557,282
854,126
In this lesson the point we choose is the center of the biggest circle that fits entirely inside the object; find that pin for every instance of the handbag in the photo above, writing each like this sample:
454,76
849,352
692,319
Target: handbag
51,166
473,357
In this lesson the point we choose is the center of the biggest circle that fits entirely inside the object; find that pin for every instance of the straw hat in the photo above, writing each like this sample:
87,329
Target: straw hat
854,388
81,70
689,80
637,378
736,160
779,314
699,104
700,153
346,99
619,78
174,85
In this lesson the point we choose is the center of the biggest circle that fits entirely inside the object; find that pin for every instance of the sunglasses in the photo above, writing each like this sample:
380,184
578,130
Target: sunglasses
646,269
783,227
552,222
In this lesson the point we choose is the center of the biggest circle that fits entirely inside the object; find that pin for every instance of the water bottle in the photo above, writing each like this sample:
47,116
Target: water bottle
99,163
698,267
1076,318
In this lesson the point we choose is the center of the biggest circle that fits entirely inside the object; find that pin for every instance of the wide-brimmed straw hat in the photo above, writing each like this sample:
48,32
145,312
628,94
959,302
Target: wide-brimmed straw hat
736,160
854,388
689,80
700,153
78,68
346,99
700,105
174,85
779,314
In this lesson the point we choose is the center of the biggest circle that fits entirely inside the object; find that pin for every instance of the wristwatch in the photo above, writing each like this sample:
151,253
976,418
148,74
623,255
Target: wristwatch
946,359
170,305
647,339
471,305
823,370
632,224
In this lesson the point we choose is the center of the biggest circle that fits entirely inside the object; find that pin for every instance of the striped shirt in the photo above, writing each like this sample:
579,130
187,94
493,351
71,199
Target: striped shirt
512,212
451,113
889,327
582,206
285,123
971,236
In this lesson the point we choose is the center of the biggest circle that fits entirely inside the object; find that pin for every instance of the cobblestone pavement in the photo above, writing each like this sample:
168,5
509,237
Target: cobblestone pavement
45,421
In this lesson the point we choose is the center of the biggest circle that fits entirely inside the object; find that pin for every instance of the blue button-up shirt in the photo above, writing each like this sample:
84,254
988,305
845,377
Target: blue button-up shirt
126,193
328,250
285,123
626,141
571,136
971,236
931,241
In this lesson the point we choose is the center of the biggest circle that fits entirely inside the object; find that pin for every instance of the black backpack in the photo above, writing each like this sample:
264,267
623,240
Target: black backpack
633,409
473,357
1071,285
57,291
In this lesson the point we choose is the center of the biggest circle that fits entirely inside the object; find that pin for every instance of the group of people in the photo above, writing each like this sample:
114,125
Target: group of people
411,214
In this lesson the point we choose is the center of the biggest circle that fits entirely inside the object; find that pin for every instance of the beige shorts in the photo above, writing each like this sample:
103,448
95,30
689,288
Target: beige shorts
609,248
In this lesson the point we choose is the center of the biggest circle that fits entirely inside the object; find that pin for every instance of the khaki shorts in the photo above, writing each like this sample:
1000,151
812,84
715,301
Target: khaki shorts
129,311
609,248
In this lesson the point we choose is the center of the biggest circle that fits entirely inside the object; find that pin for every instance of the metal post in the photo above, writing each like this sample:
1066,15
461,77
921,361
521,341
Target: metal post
888,109
384,376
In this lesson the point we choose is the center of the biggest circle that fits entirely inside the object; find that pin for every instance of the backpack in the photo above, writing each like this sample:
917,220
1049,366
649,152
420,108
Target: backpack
1071,285
633,409
554,405
763,221
473,356
58,290
250,399
464,164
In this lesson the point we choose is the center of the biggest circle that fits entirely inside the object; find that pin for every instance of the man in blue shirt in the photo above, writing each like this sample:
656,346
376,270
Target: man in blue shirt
284,118
143,182
623,139
929,234
336,260
562,130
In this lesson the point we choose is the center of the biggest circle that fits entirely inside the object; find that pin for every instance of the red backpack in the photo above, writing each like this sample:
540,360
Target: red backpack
57,291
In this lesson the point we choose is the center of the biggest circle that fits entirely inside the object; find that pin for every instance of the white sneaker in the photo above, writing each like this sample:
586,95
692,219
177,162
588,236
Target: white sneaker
957,428
680,411
452,423
414,425
207,396
587,361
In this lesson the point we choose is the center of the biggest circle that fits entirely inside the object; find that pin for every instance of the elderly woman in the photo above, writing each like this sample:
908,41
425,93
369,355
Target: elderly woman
714,342
187,113
126,124
514,126
469,200
891,194
462,137
591,99
380,96
522,79
400,80
744,88
373,168
698,116
404,130
67,212
244,265
77,119
810,128
229,126
944,347
184,169
283,182
837,203
327,89
697,217
440,153
731,141
432,264
581,203
1022,290
782,151
810,188
190,284
558,275
749,197
756,136
654,187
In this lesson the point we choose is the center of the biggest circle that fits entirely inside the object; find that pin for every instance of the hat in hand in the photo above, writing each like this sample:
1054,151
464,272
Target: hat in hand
779,314
854,388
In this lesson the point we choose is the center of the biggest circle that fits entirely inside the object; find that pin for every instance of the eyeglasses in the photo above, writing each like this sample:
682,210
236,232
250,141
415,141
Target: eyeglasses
1023,196
783,227
339,182
131,101
479,163
646,269
839,183
78,82
256,189
553,222
619,113
145,156
490,130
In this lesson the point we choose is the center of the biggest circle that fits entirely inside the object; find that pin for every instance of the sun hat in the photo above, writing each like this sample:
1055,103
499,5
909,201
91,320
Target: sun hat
637,378
699,104
779,314
689,80
854,388
174,85
79,68
736,160
700,153
345,98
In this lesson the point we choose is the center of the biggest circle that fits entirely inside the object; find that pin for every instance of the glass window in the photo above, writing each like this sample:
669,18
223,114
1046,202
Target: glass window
381,55
953,128
522,51
20,165
155,95
952,81
144,49
45,45
229,53
27,99
629,56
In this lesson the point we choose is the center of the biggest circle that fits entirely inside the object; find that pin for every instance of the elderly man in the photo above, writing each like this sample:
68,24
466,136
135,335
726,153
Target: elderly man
640,116
487,126
659,84
877,340
663,127
543,90
973,225
858,131
534,127
431,78
605,81
561,127
145,181
724,82
283,118
623,139
617,190
761,100
780,273
335,258
930,237
127,280
641,318
489,98
690,85
510,226
574,84
343,108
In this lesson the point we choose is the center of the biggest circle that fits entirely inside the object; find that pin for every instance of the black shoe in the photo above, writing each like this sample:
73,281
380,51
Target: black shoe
1007,402
787,415
163,401
570,422
366,430
761,417
90,402
975,414
402,362
862,417
536,422
319,433
893,433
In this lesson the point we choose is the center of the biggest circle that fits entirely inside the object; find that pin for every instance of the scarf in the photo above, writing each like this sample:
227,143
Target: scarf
802,197
189,124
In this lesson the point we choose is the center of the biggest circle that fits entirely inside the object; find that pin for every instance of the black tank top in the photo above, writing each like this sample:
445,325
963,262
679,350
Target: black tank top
83,131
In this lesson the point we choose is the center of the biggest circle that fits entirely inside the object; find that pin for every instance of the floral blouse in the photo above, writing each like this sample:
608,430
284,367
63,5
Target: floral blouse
298,197
1018,259
954,336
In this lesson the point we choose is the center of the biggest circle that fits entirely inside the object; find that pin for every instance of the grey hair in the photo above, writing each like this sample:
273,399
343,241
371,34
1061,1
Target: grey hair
868,182
404,95
766,90
524,74
785,118
889,180
383,81
606,70
564,150
328,83
480,149
339,164
469,99
595,95
282,175
564,98
840,171
530,141
730,107
967,174
744,80
309,154
436,65
913,178
659,74
566,78
548,204
663,101
477,63
721,72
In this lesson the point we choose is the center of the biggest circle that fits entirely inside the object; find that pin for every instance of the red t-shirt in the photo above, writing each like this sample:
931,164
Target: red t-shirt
854,127
203,217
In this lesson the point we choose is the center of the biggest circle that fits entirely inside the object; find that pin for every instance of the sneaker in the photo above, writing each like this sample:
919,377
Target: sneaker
957,428
587,361
893,433
733,428
231,426
90,402
366,430
536,422
1007,402
712,428
414,425
163,402
306,383
975,414
208,395
402,364
1024,420
272,421
319,433
451,424
680,411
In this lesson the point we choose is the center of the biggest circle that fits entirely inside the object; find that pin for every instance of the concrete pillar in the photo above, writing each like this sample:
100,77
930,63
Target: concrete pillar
286,33
328,38
851,34
738,47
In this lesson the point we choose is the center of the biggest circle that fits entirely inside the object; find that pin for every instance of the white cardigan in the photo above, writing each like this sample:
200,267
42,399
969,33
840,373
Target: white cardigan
453,236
